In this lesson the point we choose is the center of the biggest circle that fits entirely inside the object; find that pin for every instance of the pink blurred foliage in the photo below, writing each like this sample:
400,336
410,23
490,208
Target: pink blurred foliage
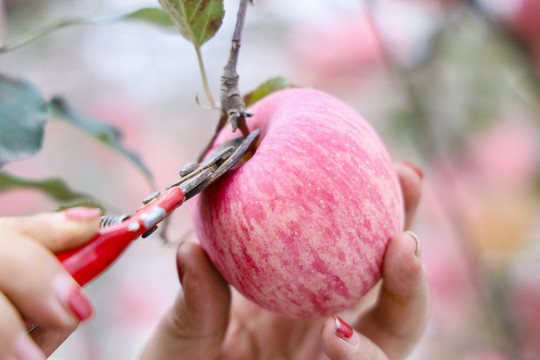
334,53
525,306
489,354
505,155
344,52
490,189
2,23
136,302
443,3
499,162
156,145
121,112
448,271
24,202
477,210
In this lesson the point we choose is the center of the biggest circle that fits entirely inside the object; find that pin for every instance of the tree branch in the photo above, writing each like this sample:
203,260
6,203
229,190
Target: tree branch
232,103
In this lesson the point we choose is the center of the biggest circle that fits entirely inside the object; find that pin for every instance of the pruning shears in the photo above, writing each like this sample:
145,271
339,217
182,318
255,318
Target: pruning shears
116,233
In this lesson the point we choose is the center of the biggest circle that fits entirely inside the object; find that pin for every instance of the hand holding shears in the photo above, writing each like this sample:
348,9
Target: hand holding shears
88,261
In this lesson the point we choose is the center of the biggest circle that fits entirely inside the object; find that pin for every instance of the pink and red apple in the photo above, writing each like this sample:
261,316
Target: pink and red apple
301,228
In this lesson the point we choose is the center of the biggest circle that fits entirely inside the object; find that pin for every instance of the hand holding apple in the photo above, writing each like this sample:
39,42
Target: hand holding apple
204,324
302,227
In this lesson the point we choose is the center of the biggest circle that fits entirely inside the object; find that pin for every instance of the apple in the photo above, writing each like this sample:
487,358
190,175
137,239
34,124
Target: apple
301,227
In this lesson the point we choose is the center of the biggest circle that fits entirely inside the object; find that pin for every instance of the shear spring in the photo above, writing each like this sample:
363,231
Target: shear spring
110,220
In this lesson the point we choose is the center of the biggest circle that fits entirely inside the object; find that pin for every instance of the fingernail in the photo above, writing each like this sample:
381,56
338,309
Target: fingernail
72,298
80,305
82,213
418,251
181,274
345,331
26,349
415,168
180,266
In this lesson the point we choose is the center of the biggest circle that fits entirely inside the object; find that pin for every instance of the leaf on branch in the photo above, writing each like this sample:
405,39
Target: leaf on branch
101,131
197,20
154,16
266,88
52,187
23,115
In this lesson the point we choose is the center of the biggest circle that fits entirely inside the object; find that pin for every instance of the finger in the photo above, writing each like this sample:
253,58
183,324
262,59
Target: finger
238,343
56,230
14,342
396,322
341,342
410,178
38,285
195,327
49,339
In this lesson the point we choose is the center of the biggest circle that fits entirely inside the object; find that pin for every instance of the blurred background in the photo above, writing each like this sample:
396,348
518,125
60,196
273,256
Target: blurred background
450,85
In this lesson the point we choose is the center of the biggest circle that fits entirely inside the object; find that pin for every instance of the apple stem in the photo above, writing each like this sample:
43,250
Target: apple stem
232,102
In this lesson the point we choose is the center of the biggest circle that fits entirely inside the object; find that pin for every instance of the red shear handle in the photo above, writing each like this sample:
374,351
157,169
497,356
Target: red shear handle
88,261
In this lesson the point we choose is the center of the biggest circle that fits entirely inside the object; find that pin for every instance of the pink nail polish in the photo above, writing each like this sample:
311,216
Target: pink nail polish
82,213
415,168
179,265
79,304
345,331
181,273
72,298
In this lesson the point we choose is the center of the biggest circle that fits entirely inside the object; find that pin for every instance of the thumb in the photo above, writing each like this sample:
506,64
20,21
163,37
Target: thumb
341,342
56,230
195,326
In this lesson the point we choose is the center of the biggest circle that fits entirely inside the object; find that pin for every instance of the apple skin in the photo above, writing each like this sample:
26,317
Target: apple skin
301,227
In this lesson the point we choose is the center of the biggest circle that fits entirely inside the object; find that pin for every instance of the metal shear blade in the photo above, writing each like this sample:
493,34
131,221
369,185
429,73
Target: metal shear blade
218,164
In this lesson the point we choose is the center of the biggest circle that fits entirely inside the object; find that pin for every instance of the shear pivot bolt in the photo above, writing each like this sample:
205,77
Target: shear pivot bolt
188,168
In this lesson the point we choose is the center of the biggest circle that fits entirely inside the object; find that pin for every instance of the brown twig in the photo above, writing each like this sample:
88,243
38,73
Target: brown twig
232,103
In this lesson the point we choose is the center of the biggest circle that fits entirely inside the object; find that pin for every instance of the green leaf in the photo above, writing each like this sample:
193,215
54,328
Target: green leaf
101,131
154,16
266,88
52,187
23,115
197,20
